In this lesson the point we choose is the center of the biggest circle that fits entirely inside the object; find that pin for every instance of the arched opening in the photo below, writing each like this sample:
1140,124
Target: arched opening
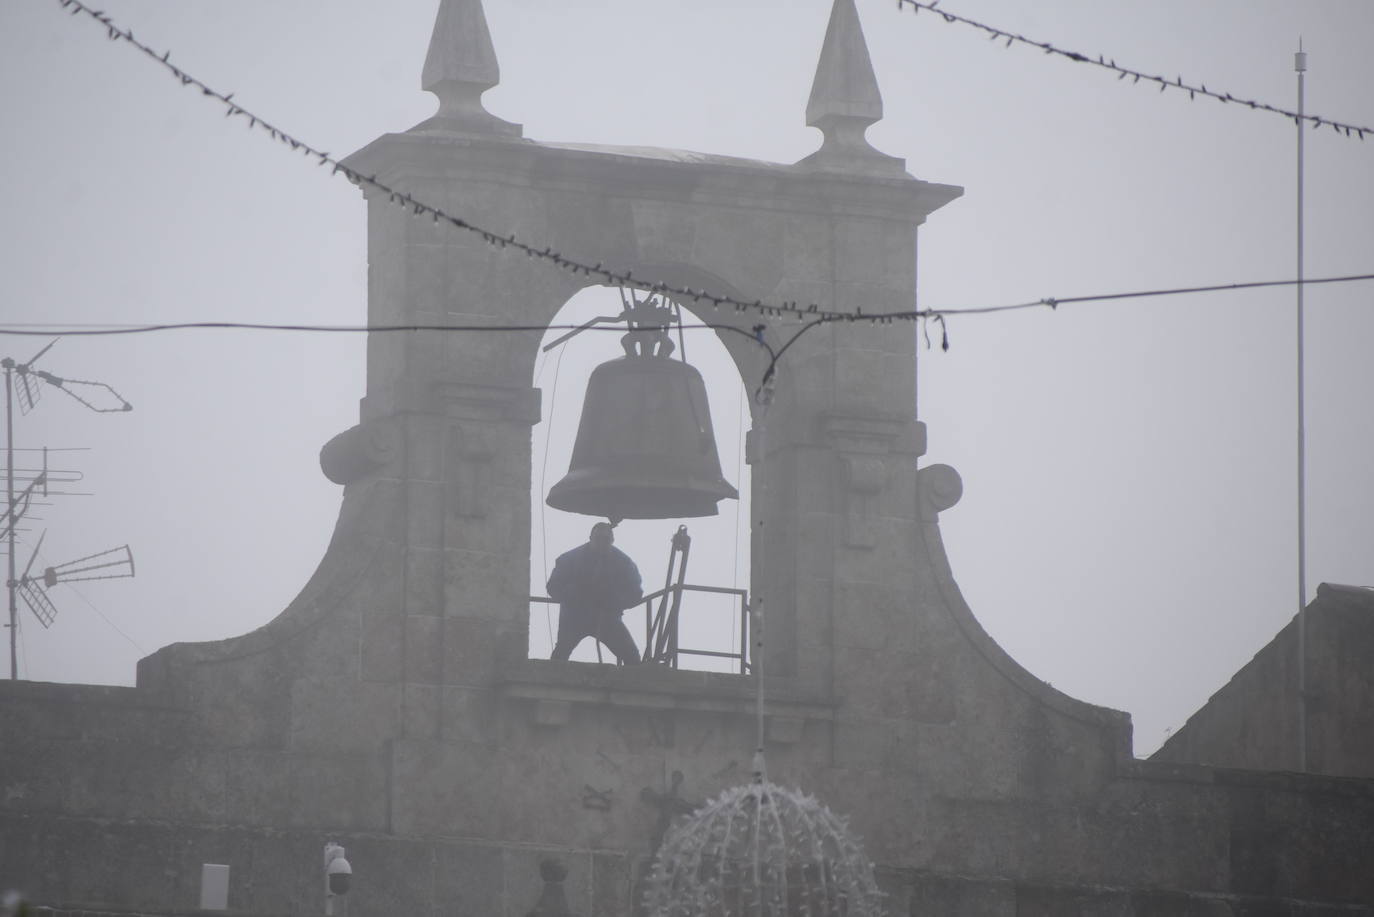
708,622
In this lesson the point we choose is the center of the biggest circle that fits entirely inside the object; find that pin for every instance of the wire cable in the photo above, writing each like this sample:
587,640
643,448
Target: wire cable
1054,302
739,477
134,643
790,308
420,208
1194,90
755,334
543,508
36,329
44,329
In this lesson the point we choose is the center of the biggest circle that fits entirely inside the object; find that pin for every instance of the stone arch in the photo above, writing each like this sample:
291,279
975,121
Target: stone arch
841,438
720,552
550,298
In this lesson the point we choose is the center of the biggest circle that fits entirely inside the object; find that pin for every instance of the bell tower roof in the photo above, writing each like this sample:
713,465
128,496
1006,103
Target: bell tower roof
459,66
845,99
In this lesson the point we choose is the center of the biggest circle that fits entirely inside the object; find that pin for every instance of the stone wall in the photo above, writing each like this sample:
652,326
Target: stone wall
1005,799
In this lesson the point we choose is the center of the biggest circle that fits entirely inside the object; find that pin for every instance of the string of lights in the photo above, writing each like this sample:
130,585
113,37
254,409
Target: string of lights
419,208
812,314
1193,90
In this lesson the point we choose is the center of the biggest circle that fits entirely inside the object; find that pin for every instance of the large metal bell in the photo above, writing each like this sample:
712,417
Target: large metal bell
645,448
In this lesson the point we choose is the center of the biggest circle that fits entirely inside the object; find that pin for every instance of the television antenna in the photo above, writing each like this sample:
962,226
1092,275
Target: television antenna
116,563
24,382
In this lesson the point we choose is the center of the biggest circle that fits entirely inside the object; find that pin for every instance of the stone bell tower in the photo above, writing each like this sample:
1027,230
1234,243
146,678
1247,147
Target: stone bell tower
391,706
454,411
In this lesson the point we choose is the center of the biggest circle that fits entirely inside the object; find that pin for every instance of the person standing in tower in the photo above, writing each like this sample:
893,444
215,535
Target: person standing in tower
594,584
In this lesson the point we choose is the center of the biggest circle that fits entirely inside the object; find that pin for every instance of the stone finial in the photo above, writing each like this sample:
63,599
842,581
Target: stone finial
460,66
845,99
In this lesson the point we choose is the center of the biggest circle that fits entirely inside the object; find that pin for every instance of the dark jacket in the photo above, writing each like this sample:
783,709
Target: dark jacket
594,586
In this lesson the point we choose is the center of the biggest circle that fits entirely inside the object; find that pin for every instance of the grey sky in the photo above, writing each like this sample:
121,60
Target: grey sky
1128,526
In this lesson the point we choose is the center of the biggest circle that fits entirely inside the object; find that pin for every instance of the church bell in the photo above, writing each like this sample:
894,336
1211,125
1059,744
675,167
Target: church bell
645,448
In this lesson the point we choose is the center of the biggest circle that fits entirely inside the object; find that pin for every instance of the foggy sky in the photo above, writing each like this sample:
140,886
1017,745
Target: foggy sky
1128,529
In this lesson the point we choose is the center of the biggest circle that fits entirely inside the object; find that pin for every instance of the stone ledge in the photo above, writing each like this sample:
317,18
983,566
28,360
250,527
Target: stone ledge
34,910
653,687
1223,777
983,896
126,697
651,173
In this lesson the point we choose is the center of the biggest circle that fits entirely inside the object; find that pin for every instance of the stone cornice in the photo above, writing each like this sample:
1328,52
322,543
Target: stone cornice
402,159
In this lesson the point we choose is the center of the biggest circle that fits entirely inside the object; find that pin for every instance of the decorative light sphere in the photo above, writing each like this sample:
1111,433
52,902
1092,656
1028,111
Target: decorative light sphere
761,850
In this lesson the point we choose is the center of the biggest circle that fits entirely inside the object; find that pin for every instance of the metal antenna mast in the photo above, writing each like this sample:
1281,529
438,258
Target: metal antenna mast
1300,66
23,380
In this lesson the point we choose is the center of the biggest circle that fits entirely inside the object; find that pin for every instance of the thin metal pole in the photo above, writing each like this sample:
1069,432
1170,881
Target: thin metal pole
1300,66
756,600
10,585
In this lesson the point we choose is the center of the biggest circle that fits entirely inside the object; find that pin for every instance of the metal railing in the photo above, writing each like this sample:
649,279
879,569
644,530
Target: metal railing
662,625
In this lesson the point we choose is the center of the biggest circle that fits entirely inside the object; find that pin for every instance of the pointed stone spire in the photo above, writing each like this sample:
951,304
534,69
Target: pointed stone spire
460,66
845,85
845,99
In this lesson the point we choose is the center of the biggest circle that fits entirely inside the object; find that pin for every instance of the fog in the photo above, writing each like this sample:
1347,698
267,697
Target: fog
1128,530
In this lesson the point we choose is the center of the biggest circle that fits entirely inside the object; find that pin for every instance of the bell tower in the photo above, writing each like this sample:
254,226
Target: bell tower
400,678
837,505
